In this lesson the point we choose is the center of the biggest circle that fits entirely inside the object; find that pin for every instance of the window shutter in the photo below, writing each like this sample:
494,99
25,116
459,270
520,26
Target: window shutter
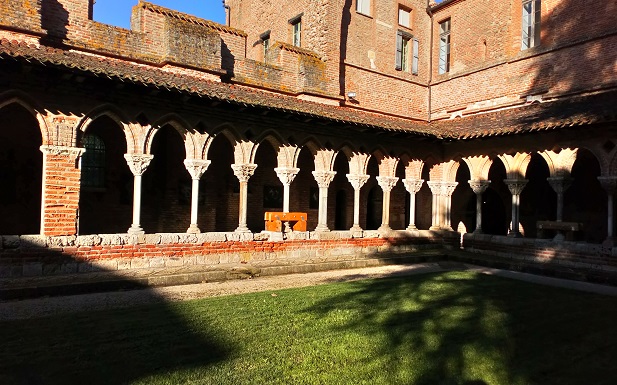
399,51
414,62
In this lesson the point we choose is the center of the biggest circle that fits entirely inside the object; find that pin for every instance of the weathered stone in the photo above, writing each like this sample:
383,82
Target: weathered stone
88,240
104,265
168,238
124,263
139,263
112,240
10,241
33,241
157,262
153,239
187,238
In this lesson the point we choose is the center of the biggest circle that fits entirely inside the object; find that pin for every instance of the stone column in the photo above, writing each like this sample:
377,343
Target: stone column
323,178
559,184
357,181
515,186
412,186
243,172
286,176
138,163
386,183
195,167
479,187
609,184
447,188
60,190
436,205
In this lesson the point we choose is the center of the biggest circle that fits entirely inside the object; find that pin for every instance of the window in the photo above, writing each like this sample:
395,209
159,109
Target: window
444,46
364,7
404,43
265,41
296,30
93,162
404,17
530,36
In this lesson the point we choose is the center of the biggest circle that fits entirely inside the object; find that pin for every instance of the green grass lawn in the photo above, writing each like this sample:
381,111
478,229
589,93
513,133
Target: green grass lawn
445,328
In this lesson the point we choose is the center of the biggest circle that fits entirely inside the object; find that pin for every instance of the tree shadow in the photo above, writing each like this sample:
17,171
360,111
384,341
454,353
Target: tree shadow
114,346
466,328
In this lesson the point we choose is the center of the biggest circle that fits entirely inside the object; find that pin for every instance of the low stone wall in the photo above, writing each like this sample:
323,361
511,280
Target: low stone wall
33,255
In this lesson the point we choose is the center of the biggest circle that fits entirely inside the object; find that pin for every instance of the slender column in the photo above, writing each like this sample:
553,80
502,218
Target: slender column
447,188
436,205
609,184
412,186
357,181
286,176
479,187
560,184
386,183
138,163
195,167
323,179
243,172
515,186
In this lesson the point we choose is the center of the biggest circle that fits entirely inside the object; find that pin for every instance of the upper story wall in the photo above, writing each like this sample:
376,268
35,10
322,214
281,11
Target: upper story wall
574,51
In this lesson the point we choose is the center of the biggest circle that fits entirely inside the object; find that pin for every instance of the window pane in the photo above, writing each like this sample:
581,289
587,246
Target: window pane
403,18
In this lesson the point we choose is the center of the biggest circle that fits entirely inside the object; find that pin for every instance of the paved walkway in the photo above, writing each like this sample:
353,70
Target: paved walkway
15,310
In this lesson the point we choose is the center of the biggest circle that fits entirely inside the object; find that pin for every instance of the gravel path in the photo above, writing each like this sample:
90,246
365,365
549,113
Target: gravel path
40,307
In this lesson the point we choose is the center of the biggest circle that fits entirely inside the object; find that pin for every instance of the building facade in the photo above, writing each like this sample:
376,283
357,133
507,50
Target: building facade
391,124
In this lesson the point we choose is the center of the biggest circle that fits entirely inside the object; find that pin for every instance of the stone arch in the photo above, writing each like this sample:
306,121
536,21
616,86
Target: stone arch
115,114
22,99
312,144
227,132
181,126
559,163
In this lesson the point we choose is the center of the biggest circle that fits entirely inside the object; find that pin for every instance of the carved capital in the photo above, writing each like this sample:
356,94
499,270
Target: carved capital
447,188
196,167
435,187
324,178
72,152
138,163
559,183
609,184
286,174
244,171
516,186
357,180
479,186
413,185
387,183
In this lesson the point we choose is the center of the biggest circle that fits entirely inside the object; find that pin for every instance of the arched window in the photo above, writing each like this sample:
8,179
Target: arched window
93,162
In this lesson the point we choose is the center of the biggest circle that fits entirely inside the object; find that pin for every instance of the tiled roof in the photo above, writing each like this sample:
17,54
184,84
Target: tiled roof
573,111
154,76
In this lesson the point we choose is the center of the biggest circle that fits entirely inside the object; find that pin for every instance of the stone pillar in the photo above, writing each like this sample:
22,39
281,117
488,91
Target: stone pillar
609,184
243,172
60,190
138,163
447,188
386,183
479,187
412,186
357,181
559,184
515,186
436,205
195,167
323,178
286,176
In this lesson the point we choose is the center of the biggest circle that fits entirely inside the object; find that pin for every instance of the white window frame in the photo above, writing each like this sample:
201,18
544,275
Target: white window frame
363,7
406,43
444,46
530,24
404,17
296,30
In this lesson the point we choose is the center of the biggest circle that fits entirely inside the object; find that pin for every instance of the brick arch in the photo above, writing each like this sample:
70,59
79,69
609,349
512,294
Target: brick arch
116,115
181,127
23,100
228,131
312,144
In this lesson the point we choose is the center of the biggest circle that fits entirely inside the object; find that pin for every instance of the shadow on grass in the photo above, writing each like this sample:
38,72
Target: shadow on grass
470,329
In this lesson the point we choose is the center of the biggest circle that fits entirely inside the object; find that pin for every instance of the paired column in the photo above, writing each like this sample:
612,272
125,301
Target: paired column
609,184
447,189
412,186
559,184
138,163
515,186
357,181
386,183
243,172
195,167
286,176
323,178
479,187
436,205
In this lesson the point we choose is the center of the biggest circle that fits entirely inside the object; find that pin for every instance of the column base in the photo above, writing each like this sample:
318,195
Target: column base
478,231
193,229
322,228
136,230
515,234
384,229
356,228
435,228
411,228
242,229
